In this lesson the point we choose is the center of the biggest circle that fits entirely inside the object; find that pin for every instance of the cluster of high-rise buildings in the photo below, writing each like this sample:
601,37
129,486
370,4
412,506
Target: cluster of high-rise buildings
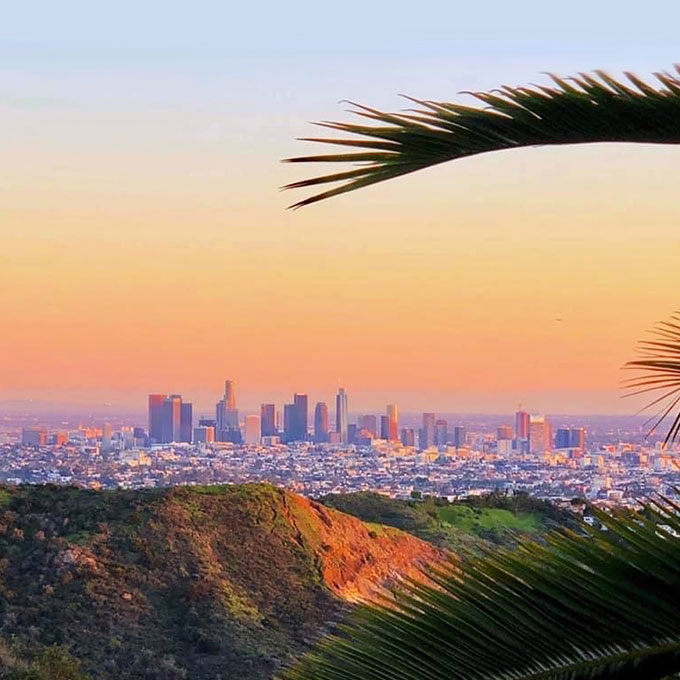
170,420
533,434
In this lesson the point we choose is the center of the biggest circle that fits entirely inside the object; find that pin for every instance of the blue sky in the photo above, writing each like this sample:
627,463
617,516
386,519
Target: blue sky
47,47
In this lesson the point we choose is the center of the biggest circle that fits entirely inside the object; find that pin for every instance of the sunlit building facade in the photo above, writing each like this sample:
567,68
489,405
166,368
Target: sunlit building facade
321,423
252,432
268,420
540,438
341,415
427,431
392,423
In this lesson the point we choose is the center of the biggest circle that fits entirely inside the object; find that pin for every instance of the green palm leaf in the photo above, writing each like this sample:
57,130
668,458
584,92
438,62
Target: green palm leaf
583,607
659,366
580,110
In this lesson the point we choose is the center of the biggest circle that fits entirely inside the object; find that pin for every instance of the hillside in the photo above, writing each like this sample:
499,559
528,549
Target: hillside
186,582
465,526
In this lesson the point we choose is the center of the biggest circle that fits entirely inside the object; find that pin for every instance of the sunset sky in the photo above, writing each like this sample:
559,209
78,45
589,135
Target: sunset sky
144,245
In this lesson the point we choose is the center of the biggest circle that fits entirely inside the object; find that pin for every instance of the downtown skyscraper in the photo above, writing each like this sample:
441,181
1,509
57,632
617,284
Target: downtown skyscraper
522,427
230,394
441,433
427,431
301,402
341,425
459,436
252,430
295,419
540,438
570,438
226,416
321,423
392,423
156,417
268,420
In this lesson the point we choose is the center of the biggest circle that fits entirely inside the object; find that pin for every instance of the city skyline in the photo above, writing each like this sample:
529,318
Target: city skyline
205,406
610,460
170,420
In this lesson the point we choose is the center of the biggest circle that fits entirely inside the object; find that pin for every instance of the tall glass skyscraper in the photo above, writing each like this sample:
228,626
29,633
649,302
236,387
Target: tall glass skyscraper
156,417
288,423
522,427
522,419
172,414
427,432
186,422
230,394
341,414
441,433
268,420
577,438
392,423
562,438
384,427
252,429
321,423
570,438
295,419
226,415
459,435
301,402
540,439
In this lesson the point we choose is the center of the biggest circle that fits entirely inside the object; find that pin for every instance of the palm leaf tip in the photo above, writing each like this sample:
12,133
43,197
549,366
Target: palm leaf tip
658,368
583,109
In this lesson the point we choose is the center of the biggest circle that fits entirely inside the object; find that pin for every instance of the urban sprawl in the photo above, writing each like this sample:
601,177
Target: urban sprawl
549,460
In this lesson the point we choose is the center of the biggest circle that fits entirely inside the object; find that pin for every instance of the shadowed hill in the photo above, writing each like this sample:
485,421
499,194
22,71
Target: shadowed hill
209,582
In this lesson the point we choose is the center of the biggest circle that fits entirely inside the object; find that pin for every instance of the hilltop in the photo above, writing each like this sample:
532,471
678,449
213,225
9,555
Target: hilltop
210,582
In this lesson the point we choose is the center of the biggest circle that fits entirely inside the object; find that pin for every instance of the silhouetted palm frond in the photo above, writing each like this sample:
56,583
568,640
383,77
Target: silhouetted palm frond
584,109
589,607
660,365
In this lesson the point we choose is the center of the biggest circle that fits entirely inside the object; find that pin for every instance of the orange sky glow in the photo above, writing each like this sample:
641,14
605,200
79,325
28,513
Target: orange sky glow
522,276
145,246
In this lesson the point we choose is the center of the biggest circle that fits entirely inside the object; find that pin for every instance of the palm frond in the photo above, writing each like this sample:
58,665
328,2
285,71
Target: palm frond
659,367
584,607
583,109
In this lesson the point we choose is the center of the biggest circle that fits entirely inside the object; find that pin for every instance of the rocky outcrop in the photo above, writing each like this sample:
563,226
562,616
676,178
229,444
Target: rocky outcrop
359,560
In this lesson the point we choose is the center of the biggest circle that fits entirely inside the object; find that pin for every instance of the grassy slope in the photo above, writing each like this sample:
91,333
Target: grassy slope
480,520
209,582
462,527
415,517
